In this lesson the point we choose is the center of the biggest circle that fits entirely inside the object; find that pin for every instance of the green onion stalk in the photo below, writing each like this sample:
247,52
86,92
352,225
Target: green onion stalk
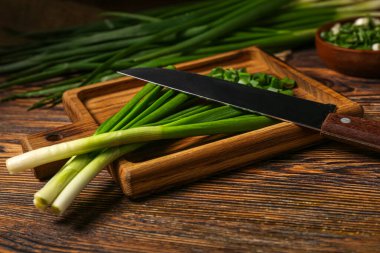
135,135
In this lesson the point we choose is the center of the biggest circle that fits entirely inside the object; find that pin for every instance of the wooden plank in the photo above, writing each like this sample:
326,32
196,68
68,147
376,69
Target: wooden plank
320,199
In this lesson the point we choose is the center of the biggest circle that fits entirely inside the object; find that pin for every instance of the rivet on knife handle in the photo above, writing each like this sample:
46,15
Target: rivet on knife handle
357,131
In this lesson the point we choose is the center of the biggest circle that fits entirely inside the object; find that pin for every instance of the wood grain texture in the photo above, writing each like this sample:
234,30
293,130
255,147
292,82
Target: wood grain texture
322,199
192,158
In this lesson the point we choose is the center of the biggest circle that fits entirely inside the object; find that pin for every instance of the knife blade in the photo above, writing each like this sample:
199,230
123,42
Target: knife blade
302,112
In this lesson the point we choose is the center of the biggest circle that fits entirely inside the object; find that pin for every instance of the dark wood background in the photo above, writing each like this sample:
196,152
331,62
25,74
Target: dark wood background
322,199
42,15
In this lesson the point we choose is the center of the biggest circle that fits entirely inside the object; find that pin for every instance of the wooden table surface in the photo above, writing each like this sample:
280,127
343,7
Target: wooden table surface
322,199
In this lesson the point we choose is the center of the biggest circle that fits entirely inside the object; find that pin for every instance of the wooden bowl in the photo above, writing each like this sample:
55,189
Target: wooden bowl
352,62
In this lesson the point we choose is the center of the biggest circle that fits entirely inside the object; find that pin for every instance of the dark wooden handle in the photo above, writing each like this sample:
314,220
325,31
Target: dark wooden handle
353,130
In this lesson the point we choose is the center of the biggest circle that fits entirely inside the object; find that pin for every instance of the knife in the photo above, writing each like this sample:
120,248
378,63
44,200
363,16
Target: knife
310,114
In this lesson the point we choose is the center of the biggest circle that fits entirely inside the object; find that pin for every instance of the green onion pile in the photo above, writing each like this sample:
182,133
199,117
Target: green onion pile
154,113
73,57
363,34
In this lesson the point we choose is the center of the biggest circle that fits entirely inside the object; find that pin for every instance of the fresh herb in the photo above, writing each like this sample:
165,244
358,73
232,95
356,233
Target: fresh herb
154,113
363,33
91,53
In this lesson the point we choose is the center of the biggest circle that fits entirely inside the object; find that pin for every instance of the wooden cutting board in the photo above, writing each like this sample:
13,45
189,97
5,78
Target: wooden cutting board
170,163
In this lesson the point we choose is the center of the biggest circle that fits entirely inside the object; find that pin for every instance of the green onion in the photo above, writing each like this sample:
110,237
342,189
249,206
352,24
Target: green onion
163,36
363,33
145,118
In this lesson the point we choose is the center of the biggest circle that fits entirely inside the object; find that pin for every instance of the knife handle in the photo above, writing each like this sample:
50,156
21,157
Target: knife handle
352,130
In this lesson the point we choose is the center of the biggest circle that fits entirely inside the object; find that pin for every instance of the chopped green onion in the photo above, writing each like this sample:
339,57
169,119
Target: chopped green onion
363,33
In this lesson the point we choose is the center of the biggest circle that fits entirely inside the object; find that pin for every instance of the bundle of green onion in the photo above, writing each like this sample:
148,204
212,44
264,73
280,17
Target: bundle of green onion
154,113
159,37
